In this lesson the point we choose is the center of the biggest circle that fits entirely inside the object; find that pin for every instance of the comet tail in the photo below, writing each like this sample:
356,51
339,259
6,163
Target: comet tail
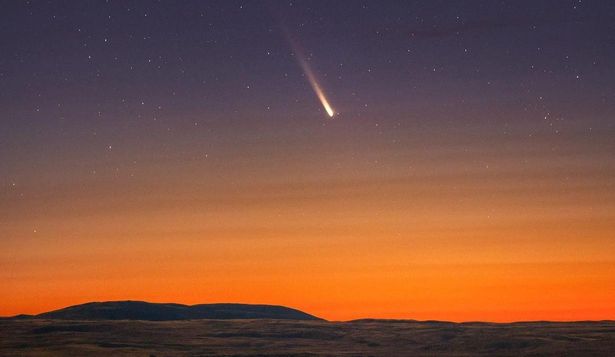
314,83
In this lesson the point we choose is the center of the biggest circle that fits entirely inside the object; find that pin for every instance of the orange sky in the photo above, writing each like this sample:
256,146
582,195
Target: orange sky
495,232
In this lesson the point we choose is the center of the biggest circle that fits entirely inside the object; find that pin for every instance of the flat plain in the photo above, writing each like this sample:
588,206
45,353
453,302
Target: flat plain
39,337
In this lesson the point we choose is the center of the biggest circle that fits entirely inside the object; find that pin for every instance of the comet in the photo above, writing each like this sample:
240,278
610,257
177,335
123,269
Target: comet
309,74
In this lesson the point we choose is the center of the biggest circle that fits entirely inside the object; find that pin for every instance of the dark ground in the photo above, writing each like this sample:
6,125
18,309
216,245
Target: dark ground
35,337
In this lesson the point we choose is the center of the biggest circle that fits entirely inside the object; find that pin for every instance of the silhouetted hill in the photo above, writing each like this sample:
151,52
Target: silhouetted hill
141,310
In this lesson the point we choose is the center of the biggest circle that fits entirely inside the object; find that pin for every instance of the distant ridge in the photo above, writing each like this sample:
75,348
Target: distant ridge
141,310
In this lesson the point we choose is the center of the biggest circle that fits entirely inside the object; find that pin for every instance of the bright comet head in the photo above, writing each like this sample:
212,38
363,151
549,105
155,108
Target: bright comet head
327,106
330,112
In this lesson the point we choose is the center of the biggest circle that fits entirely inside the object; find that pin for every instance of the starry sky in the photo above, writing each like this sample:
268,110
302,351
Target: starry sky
177,152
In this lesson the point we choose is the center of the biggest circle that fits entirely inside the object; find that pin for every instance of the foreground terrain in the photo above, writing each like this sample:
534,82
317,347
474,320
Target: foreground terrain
39,337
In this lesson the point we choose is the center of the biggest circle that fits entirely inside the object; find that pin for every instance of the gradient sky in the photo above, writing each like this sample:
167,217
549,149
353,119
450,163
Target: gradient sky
176,152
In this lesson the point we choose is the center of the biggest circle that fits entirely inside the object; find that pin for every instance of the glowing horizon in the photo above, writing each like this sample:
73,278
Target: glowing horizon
456,241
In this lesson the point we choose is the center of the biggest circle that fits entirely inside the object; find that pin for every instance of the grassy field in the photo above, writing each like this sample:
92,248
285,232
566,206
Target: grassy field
35,337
